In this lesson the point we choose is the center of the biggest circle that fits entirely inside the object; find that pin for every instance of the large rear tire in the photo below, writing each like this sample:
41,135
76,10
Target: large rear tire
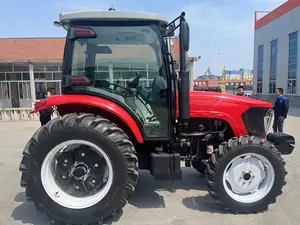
246,175
92,198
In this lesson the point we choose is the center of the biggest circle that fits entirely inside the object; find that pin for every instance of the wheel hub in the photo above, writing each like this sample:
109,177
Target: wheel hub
77,174
245,175
80,171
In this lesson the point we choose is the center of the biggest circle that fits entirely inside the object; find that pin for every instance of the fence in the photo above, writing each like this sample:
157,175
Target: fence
19,114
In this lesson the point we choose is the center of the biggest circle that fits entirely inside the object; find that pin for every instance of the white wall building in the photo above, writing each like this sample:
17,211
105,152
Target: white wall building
276,53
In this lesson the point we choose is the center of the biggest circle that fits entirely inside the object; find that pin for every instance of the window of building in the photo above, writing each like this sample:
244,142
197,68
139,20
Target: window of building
273,67
21,67
52,67
272,87
2,76
25,76
260,68
259,87
39,67
292,69
13,76
6,67
56,76
4,90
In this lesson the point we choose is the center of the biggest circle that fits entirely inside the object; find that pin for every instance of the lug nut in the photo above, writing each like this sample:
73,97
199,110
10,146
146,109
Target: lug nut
93,181
63,177
77,187
96,165
82,154
66,161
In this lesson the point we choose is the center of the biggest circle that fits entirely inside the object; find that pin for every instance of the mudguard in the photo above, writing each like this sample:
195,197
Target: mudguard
98,102
285,143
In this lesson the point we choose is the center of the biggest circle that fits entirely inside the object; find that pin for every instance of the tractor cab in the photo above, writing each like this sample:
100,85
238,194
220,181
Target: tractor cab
124,57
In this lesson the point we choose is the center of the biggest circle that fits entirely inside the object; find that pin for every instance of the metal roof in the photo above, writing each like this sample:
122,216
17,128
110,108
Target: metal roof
93,14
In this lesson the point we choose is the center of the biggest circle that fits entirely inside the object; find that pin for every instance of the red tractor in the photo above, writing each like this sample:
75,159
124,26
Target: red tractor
82,167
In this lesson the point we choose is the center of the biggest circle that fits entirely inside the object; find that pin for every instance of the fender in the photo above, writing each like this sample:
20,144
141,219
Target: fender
237,125
98,102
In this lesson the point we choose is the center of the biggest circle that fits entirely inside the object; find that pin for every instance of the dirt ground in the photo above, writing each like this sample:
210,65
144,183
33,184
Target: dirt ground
183,202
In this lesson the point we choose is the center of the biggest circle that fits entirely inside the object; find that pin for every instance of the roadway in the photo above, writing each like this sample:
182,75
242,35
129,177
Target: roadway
183,202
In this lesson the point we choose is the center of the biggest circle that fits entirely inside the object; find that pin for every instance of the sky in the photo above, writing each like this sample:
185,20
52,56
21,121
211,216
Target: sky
221,31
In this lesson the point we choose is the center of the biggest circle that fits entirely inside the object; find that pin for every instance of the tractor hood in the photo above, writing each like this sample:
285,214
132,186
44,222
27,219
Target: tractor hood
230,108
215,98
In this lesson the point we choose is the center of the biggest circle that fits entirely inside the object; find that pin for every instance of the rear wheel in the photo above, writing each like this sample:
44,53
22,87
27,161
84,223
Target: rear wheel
246,175
79,169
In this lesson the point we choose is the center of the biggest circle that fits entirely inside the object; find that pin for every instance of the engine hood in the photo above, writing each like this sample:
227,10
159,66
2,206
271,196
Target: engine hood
196,97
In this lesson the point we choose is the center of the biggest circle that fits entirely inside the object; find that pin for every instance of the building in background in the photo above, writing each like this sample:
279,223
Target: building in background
233,79
30,66
241,77
276,52
207,82
206,85
241,74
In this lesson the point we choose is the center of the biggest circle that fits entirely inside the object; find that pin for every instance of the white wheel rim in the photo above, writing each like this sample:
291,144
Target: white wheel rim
60,196
250,178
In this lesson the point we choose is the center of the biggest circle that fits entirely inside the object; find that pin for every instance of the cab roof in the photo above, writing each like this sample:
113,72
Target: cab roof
94,14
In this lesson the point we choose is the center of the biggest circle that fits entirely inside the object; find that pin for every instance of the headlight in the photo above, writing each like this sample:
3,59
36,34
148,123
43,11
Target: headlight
268,119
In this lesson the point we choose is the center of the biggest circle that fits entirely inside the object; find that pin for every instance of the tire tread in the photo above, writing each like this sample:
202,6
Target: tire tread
232,145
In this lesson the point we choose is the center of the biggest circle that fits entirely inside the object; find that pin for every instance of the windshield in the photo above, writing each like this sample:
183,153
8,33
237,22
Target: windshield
122,62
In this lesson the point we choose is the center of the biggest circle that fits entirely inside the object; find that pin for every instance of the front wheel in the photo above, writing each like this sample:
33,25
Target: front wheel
246,175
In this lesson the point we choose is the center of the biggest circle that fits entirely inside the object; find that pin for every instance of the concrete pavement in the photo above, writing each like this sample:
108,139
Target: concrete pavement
183,202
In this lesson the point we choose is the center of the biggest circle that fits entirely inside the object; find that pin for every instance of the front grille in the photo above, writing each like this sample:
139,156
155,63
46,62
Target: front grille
254,120
268,119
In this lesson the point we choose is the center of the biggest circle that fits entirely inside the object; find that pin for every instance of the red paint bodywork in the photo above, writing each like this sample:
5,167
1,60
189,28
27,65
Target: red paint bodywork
202,105
223,106
102,103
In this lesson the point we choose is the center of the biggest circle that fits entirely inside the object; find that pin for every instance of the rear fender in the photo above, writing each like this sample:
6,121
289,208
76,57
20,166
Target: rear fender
97,102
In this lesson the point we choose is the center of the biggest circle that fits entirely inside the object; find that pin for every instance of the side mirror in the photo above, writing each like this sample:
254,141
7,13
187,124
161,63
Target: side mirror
185,35
57,24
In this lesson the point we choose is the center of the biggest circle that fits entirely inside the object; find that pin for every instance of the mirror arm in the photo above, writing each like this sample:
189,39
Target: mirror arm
173,30
173,21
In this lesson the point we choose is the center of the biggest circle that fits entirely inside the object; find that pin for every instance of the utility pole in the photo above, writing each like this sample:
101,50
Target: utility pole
223,81
223,77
